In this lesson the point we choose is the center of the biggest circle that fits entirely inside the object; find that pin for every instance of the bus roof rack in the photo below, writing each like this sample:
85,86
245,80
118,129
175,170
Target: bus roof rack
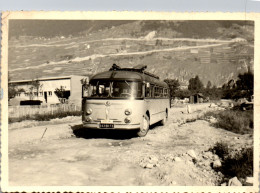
141,70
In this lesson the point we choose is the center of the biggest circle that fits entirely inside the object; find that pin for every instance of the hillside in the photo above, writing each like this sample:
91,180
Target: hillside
214,50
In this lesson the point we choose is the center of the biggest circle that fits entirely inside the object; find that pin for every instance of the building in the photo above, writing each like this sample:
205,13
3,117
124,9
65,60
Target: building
44,89
196,98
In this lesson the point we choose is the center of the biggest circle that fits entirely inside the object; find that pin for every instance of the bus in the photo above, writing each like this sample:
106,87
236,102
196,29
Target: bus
125,98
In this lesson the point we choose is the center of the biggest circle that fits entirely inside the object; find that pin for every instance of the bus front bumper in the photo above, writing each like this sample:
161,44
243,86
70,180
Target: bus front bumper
115,126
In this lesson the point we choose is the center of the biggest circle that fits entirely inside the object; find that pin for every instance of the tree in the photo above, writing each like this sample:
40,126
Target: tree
60,93
12,91
245,81
243,87
173,85
209,85
35,87
195,84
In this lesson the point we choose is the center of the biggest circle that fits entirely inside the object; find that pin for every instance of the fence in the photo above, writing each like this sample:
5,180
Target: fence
21,111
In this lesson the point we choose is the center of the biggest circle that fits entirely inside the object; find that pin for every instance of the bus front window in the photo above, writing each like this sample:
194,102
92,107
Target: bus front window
126,89
115,89
99,89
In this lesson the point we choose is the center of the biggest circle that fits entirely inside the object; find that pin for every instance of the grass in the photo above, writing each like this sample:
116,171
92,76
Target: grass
46,117
234,163
237,121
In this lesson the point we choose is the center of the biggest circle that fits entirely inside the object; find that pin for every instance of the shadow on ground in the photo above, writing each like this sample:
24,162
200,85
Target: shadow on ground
81,132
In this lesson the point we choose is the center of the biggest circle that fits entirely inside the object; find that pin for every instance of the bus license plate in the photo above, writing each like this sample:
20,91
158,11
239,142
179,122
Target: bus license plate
103,125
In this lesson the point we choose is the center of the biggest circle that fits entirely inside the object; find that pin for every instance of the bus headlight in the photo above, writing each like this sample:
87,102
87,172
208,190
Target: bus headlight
89,111
128,112
127,120
88,119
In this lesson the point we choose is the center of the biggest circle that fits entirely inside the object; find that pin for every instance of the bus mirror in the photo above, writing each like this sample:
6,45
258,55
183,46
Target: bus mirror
147,84
85,91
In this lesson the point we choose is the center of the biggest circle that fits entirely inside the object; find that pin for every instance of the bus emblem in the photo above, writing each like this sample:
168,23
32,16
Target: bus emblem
107,103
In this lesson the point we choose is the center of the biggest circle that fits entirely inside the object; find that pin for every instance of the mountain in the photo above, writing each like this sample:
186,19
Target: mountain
215,50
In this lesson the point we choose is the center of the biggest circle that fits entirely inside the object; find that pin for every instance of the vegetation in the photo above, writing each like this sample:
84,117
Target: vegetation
173,85
234,163
62,94
237,121
46,117
35,87
195,85
241,88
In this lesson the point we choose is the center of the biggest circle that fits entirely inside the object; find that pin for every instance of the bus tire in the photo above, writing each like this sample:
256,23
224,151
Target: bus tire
164,120
144,126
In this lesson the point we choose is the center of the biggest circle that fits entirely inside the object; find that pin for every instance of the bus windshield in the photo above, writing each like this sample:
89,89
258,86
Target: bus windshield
115,89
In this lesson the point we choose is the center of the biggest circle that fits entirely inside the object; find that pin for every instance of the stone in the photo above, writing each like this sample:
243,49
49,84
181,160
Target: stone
224,184
217,164
177,159
192,154
173,183
234,182
149,166
154,159
110,144
215,157
213,120
249,181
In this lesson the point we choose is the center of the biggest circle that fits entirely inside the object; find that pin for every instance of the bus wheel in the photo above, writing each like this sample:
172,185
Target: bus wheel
164,120
144,126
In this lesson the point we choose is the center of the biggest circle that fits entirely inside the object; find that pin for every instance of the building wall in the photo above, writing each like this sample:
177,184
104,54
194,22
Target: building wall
47,90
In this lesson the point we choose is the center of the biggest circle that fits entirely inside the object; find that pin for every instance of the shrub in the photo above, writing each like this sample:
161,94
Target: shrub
234,163
46,117
237,121
221,149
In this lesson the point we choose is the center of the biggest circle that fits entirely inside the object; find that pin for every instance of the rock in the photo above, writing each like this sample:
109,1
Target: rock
154,159
224,184
149,166
110,144
213,120
192,154
215,157
208,155
217,164
149,143
234,182
236,138
177,159
173,183
249,181
212,105
142,164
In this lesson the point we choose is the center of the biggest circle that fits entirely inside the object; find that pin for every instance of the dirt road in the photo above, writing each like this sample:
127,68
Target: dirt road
174,154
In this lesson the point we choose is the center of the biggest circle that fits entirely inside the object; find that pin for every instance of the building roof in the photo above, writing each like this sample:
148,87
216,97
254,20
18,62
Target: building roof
45,78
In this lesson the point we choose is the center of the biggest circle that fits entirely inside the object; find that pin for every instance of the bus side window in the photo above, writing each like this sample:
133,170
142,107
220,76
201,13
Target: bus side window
152,91
147,91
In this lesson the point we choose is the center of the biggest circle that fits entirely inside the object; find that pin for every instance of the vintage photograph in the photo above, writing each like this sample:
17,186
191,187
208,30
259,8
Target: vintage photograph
137,102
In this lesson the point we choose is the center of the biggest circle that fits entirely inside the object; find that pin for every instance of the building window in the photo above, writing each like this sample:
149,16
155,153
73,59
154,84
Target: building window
41,93
50,93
